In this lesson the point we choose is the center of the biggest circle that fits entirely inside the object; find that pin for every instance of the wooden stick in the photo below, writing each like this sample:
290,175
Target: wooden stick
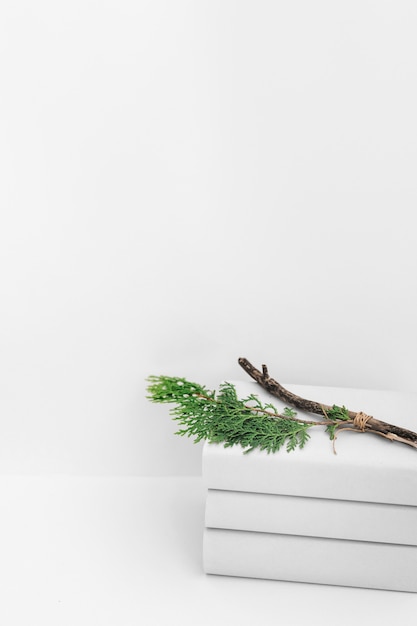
369,424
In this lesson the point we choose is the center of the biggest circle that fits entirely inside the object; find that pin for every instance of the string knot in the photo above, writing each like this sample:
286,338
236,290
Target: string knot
360,420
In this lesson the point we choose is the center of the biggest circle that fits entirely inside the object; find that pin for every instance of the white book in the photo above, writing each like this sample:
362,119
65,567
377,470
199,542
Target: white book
366,468
313,517
310,559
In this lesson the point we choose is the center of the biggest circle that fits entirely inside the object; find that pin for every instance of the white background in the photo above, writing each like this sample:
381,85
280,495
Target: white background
184,183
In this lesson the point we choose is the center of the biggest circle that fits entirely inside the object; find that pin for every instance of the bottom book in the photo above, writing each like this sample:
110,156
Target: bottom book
310,559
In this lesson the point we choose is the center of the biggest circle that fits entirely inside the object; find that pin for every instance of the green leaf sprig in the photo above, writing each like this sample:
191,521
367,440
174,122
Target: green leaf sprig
221,417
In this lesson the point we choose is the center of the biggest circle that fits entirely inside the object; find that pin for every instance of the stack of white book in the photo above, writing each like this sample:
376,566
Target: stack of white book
314,516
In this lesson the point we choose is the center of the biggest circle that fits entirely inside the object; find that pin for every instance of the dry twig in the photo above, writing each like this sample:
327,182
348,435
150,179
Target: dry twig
359,422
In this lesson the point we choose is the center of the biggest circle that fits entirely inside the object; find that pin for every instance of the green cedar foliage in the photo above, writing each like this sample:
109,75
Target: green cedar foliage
221,417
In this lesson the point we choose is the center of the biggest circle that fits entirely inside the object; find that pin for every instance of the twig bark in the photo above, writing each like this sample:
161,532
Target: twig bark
357,421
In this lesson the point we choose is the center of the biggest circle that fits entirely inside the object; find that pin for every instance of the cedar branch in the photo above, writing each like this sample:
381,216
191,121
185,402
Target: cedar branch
389,431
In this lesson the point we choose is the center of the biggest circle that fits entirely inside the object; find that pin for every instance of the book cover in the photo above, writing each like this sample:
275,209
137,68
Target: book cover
313,517
310,559
366,467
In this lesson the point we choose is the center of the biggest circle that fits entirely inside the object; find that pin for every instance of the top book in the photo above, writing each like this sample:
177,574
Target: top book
366,468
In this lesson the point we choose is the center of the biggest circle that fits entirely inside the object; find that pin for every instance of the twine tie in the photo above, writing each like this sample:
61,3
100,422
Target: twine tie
360,420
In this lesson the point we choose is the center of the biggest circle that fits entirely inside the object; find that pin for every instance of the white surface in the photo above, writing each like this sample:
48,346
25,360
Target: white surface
310,559
366,467
313,517
127,551
184,183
